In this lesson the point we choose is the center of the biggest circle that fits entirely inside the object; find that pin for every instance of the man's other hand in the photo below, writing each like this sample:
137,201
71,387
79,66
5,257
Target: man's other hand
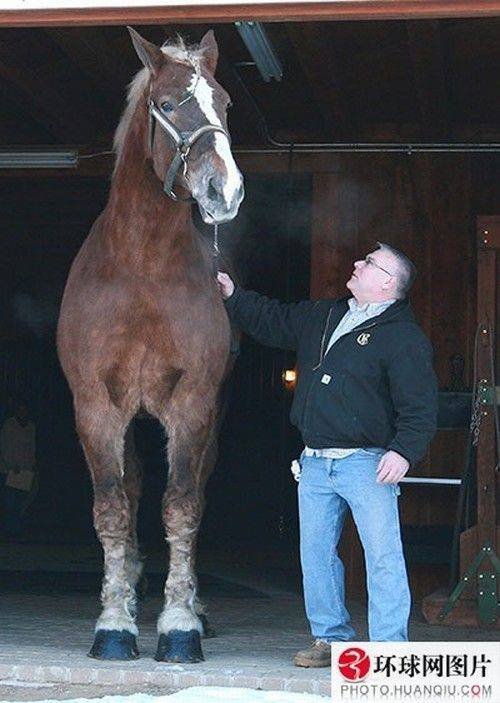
226,285
392,467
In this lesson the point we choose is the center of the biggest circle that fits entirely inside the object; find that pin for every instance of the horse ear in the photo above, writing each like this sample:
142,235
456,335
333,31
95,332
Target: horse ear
210,51
150,54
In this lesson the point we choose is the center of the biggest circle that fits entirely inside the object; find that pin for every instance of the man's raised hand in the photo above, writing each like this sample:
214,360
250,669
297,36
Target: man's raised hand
226,285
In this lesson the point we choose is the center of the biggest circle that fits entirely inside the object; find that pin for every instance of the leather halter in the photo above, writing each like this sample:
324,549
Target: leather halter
183,142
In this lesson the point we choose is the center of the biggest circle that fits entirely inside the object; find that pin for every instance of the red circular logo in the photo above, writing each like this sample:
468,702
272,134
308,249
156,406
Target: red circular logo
354,664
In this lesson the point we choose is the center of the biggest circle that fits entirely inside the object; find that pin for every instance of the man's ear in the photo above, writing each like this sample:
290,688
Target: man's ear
151,55
210,50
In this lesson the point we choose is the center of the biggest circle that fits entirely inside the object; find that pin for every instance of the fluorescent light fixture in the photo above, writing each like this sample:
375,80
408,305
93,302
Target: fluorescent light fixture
259,45
38,159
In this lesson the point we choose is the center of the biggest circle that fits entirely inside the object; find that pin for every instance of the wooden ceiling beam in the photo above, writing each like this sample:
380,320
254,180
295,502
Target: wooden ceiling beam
37,90
316,56
426,54
91,50
265,12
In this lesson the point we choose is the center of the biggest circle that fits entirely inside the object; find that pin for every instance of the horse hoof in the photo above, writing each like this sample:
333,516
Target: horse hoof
114,644
180,647
208,631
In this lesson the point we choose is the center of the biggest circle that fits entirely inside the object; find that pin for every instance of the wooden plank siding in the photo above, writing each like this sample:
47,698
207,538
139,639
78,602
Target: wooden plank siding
426,206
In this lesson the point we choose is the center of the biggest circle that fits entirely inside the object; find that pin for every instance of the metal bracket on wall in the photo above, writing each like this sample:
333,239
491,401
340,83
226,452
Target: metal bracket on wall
487,587
486,393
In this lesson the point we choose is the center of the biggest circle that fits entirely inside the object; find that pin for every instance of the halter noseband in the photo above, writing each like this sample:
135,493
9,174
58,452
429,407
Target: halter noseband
183,142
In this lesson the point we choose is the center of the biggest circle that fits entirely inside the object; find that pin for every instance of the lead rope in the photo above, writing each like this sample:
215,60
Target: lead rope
216,250
216,240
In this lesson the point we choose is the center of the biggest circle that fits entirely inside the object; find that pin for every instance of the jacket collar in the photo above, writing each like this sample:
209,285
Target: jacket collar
398,311
369,309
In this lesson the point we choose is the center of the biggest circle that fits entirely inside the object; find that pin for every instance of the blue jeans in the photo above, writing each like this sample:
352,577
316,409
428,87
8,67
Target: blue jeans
327,488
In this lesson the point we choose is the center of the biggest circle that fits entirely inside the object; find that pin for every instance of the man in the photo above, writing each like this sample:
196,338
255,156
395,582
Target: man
366,406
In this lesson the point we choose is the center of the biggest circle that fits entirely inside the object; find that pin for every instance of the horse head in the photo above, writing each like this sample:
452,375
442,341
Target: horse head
189,143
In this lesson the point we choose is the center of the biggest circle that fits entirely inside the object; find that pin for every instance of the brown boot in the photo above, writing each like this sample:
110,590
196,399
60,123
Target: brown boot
318,654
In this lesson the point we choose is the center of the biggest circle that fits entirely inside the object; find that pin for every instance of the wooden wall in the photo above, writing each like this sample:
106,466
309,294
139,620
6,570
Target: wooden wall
425,205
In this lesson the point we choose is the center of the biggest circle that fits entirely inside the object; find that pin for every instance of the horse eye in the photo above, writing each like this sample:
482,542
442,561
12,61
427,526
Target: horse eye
229,105
167,106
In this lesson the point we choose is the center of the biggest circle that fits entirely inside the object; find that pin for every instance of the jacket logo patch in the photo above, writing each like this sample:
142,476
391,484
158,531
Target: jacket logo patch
363,338
326,378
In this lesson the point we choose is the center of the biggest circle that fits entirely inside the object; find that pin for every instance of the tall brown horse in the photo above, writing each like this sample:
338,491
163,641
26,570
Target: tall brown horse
142,325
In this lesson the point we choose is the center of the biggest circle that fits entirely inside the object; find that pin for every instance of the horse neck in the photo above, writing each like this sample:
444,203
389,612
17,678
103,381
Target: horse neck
138,209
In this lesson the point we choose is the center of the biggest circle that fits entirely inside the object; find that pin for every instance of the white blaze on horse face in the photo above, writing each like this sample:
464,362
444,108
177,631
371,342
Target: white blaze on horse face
204,97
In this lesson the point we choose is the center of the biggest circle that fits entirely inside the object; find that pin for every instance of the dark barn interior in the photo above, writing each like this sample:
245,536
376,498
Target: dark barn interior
308,213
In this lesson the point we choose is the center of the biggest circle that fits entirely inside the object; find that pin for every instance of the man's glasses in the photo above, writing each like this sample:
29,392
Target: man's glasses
369,260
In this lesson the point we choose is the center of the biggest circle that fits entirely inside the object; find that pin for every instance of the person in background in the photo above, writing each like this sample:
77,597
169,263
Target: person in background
17,464
3,468
5,403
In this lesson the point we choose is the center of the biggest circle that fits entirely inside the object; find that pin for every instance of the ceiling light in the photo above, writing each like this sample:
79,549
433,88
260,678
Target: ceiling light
259,45
38,159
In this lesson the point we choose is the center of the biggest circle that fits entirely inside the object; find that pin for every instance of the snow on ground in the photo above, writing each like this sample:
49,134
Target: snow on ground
207,694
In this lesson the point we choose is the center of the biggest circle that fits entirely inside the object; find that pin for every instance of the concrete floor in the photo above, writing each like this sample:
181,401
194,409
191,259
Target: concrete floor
50,602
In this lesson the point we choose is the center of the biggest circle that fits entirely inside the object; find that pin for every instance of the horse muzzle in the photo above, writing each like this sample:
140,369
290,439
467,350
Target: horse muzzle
214,206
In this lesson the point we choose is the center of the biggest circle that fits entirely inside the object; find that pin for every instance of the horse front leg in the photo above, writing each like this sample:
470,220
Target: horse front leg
180,626
115,630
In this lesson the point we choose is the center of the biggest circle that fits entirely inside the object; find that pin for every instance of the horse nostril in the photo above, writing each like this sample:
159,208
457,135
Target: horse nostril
211,192
216,195
214,192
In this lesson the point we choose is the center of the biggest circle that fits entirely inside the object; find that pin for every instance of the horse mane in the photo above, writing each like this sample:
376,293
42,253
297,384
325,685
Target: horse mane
175,49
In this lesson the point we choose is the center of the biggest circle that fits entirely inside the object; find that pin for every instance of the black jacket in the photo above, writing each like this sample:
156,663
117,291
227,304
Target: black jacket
380,388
